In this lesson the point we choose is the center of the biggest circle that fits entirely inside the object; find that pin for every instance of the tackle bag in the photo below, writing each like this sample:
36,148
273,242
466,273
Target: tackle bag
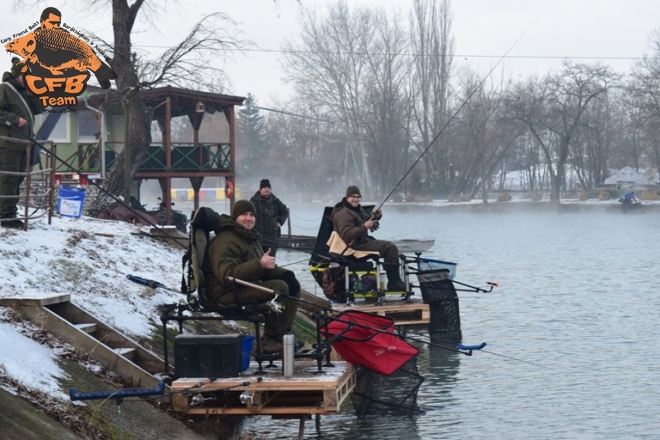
333,283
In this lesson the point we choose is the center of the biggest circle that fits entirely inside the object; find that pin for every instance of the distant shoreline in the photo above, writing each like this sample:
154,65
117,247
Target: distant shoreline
474,206
573,206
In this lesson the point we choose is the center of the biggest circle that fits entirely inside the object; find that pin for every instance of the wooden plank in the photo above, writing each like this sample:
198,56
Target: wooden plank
262,398
264,412
181,403
403,313
88,327
128,353
40,300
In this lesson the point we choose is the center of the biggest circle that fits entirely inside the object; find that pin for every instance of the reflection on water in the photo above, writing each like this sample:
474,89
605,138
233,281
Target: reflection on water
573,342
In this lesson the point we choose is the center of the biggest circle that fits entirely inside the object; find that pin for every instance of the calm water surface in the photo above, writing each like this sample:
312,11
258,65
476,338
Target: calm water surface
573,342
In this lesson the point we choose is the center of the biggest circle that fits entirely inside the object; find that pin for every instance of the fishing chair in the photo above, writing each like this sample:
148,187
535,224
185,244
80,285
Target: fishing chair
356,262
192,285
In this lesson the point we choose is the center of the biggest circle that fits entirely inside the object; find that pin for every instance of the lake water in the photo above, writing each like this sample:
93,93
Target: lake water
573,338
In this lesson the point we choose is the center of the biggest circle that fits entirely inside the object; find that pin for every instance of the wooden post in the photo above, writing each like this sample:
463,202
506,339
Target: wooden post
167,192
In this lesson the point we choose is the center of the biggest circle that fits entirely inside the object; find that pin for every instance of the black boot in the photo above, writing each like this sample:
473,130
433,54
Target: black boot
394,282
9,221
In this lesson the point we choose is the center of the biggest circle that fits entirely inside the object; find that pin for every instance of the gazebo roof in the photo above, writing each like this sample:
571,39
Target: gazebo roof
183,101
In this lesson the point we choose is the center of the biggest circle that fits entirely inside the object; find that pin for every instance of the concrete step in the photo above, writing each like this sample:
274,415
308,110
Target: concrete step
89,327
128,353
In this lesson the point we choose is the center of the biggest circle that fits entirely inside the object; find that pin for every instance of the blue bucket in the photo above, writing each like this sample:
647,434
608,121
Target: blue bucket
70,202
246,351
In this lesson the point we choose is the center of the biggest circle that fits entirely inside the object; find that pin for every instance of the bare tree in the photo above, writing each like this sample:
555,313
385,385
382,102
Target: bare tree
328,69
432,43
645,88
552,111
599,131
484,135
387,105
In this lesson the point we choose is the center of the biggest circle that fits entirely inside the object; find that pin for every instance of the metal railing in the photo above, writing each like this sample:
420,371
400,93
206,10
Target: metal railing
45,176
185,157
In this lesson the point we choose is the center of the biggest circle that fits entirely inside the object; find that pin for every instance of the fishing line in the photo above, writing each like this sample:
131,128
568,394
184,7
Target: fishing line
291,264
516,359
277,244
424,335
455,114
79,173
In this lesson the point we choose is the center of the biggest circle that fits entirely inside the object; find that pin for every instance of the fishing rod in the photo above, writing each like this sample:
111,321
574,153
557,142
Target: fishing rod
157,285
458,348
454,115
79,173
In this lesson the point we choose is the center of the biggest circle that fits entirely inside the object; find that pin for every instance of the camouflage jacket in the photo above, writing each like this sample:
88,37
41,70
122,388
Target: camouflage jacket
270,212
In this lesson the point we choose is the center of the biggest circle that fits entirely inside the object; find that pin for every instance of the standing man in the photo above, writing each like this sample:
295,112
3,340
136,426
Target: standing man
352,223
271,214
235,252
17,109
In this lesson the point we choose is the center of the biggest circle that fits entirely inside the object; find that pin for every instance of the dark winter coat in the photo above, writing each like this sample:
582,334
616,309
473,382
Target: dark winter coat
234,252
15,103
270,212
349,223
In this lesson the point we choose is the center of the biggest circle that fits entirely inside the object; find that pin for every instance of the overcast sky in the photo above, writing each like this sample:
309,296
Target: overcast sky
612,31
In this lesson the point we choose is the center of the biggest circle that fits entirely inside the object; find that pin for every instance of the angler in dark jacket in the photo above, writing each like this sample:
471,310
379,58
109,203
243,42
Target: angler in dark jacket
235,252
17,110
271,214
352,223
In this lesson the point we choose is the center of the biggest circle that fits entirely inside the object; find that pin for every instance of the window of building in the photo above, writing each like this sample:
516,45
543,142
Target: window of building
88,126
58,133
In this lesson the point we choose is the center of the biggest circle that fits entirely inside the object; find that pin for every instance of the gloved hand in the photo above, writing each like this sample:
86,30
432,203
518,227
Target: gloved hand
290,279
377,215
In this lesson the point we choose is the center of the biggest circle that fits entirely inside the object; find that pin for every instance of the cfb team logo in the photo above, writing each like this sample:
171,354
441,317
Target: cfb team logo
57,62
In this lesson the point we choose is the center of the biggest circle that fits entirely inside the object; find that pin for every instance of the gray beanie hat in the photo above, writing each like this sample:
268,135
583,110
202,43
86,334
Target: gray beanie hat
352,190
241,207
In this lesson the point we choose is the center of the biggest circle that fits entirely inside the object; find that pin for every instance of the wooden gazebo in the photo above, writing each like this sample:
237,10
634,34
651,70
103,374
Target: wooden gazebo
194,160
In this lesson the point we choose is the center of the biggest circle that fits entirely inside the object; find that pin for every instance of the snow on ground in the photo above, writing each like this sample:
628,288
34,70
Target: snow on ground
88,259
20,357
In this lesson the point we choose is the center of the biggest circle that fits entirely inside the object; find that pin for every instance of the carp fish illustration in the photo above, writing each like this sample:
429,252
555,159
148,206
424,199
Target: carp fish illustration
57,50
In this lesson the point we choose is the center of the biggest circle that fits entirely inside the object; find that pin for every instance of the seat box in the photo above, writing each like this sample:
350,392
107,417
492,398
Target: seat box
208,355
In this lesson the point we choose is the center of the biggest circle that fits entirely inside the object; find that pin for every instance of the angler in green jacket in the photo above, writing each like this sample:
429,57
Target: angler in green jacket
17,110
235,252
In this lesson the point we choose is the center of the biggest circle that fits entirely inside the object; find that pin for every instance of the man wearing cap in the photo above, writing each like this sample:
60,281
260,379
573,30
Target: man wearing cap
235,252
17,110
352,223
271,214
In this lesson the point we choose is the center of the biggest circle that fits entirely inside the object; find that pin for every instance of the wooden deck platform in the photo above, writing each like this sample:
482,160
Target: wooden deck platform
412,312
270,394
